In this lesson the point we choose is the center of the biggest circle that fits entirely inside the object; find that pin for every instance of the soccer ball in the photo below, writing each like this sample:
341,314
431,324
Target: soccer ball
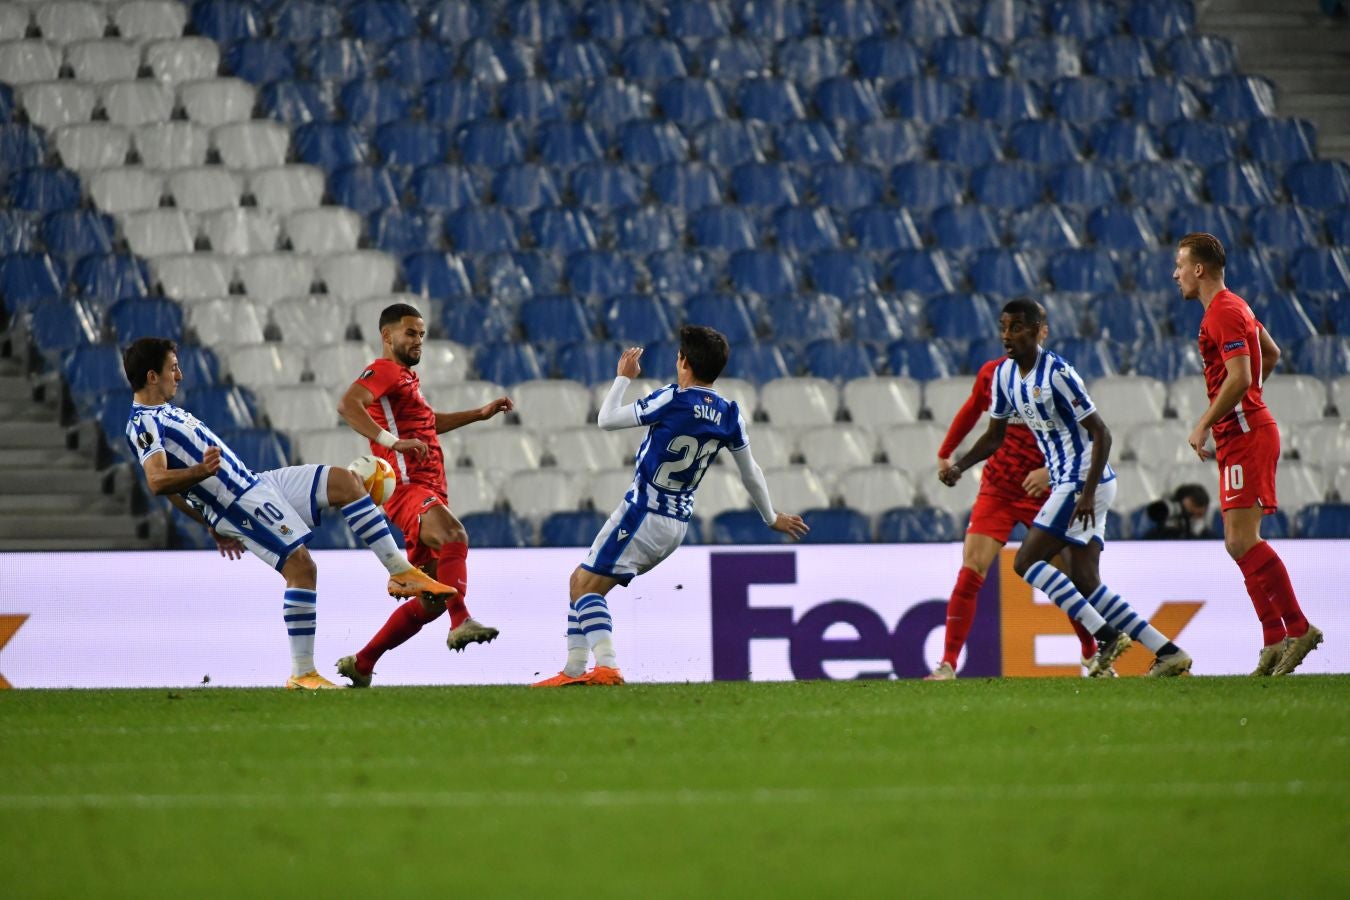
376,475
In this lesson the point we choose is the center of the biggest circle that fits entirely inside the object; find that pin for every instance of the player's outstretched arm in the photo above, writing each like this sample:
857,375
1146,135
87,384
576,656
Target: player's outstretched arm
352,408
229,547
450,421
984,448
164,481
794,527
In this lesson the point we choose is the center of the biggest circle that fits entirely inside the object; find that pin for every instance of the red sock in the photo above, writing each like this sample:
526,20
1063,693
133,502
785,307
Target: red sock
960,613
452,568
1086,642
1263,565
406,621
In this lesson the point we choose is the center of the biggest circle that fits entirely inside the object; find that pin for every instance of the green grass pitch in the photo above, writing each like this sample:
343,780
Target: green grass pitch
1195,787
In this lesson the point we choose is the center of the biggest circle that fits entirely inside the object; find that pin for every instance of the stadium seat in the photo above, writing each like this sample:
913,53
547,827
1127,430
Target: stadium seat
95,145
1123,142
497,529
731,59
567,144
573,528
880,402
226,407
176,60
943,397
927,185
1123,319
1129,400
508,364
681,272
911,446
1241,185
1323,520
1044,59
637,319
921,360
490,143
1122,228
1321,269
967,142
1295,398
1045,225
1119,56
99,60
404,231
28,279
1046,142
1090,270
605,186
457,101
1324,443
1084,100
1091,358
888,142
190,277
1164,100
651,142
764,185
205,189
1007,185
589,362
29,61
412,144
889,58
1004,272
1186,394
799,402
44,190
19,230
689,186
110,277
759,362
1205,143
536,493
1285,226
964,227
1282,140
531,101
648,228
156,232
1219,221
809,60
1160,444
874,489
265,365
651,60
690,102
839,360
563,230
845,273
1135,488
1006,100
588,450
569,61
558,318
475,322
1321,185
844,99
601,273
742,526
1326,356
917,525
927,99
550,404
1239,98
329,446
959,316
51,104
1164,184
1284,314
836,526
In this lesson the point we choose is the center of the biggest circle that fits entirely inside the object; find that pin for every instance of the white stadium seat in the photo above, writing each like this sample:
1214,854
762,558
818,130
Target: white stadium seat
172,145
1295,398
189,277
548,404
226,321
1340,396
327,229
771,447
799,402
636,390
1324,443
243,231
106,59
606,487
469,492
1193,471
14,19
1135,487
311,320
469,395
586,449
359,274
287,189
880,402
956,500
718,491
301,407
1340,483
156,232
535,493
443,362
264,365
365,315
942,397
126,189
146,20
24,62
837,447
269,277
137,102
256,144
1160,444
1125,400
330,446
183,59
205,188
874,489
96,145
338,365
67,21
215,101
501,449
744,393
1297,484
1187,398
796,488
51,104
914,447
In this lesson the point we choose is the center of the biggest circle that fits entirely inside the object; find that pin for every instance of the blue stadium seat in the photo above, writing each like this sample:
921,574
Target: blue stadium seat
806,229
1201,56
927,99
1044,59
1284,314
917,525
765,272
227,20
568,144
44,190
618,20
1164,100
531,100
698,19
305,20
1321,184
1170,358
1123,142
563,229
145,317
1152,271
490,143
19,230
94,369
498,529
727,228
1092,358
330,145
1258,271
1184,319
646,229
884,228
1121,56
412,144
481,229
543,270
365,188
555,319
201,367
337,60
1325,355
682,273
982,350
927,185
1161,20
1282,140
652,143
772,100
851,21
435,274
959,317
760,363
1219,221
881,317
802,318
1004,272
1091,270
1323,520
840,360
1321,269
1122,228
1285,227
6,103
571,529
1084,100
381,21
1007,185
27,279
298,102
111,277
810,60
922,360
966,57
601,273
744,526
638,319
1005,22
887,58
59,326
455,21
1084,184
478,322
691,102
404,231
968,142
262,61
889,142
525,188
728,60
1123,319
1082,19
846,186
569,61
1046,227
20,146
1050,142
774,20
1006,100
508,363
844,99
606,186
728,313
732,143
590,362
261,449
1164,184
1338,226
457,101
925,272
965,228
538,21
613,102
497,60
416,61
1238,98
78,232
767,185
843,273
924,21
652,60
836,526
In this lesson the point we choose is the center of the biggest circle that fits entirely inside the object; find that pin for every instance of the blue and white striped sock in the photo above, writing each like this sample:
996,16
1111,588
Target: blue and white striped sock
300,609
598,627
578,649
369,524
1060,589
1120,616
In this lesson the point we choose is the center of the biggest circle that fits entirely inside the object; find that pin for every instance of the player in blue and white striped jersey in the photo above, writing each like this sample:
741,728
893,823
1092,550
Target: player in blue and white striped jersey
270,514
1045,391
687,424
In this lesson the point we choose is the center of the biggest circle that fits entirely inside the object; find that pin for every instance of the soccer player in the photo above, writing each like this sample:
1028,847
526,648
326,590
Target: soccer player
270,514
385,405
1047,393
1012,487
1239,356
687,424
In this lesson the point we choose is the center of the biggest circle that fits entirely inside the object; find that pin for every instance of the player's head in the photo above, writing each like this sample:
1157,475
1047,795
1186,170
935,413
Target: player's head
402,332
153,362
1200,257
703,351
1023,326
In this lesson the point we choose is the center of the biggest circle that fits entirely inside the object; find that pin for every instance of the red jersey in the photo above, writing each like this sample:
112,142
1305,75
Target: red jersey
400,409
1019,454
1230,329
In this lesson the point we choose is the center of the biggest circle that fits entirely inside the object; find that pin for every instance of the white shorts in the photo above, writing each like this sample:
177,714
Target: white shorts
633,541
277,514
1057,513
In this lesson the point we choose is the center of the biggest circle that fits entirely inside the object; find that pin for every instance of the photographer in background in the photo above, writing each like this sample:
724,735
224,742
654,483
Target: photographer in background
1182,516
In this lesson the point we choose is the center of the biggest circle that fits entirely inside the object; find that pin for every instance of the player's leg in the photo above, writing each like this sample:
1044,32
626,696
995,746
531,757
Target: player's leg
1241,536
978,553
590,615
300,610
445,537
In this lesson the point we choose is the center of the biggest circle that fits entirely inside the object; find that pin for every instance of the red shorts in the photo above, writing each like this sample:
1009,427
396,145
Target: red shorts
1247,469
995,513
405,509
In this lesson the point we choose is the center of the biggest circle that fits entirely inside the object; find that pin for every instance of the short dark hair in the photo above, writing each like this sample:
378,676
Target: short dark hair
705,350
392,315
1195,492
1031,312
145,355
1205,249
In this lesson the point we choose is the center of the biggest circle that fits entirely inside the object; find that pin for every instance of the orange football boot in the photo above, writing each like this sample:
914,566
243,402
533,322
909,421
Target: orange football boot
562,679
415,583
605,676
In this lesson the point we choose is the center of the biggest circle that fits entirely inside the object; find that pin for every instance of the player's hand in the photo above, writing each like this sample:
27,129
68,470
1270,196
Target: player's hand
410,445
1198,439
944,463
229,547
1086,509
210,463
500,405
793,526
628,363
950,475
1037,482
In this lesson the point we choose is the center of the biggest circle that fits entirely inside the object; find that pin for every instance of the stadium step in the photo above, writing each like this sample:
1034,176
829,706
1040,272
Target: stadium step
25,435
87,527
38,457
23,479
11,545
56,503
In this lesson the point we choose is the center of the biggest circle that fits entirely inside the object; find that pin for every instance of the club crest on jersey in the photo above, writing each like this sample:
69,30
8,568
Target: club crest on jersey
1234,345
285,529
1036,393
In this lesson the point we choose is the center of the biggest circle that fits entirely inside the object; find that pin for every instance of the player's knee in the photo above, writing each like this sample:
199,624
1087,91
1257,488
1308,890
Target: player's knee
300,570
343,486
1023,561
457,534
1237,545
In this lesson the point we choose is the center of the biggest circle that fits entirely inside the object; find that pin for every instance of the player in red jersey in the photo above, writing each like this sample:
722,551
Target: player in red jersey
385,405
1012,488
1239,356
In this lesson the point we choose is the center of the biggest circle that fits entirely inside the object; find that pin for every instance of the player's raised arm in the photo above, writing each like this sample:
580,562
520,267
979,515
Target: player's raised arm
452,420
352,408
165,481
613,414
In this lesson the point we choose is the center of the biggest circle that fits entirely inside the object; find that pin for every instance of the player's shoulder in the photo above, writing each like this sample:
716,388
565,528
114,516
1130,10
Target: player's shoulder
378,366
989,368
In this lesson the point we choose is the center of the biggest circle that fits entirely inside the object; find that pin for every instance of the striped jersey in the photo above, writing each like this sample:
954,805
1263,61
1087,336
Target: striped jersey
1053,403
183,439
686,428
1229,328
400,408
1019,454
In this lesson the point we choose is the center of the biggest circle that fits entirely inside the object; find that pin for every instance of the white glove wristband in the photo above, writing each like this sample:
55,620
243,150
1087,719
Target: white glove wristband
385,439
